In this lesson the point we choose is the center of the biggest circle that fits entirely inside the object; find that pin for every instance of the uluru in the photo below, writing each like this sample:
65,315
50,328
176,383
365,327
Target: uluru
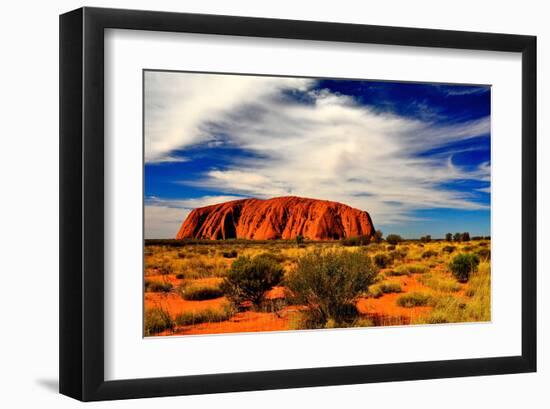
277,218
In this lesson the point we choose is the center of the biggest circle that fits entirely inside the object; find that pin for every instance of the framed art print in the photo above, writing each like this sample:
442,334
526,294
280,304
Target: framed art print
256,204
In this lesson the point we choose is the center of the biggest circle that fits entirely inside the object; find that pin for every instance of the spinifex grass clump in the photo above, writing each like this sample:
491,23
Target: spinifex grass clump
250,278
196,292
206,315
157,320
463,265
329,283
382,260
475,307
429,253
413,300
157,286
379,290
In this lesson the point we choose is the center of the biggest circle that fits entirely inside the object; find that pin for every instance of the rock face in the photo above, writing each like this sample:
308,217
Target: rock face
277,218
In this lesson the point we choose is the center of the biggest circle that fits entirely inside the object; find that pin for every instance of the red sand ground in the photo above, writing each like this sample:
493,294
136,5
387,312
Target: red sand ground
383,310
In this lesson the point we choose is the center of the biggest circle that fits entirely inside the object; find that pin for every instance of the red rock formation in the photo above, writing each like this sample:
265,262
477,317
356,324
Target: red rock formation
277,218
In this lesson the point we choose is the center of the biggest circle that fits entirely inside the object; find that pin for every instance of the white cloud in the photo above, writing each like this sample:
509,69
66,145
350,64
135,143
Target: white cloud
179,105
331,148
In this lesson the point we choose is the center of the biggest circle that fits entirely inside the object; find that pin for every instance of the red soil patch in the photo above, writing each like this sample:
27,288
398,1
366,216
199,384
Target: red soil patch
247,321
175,305
385,311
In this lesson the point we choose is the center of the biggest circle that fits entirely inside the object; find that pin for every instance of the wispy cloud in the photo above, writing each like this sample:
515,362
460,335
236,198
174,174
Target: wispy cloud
330,147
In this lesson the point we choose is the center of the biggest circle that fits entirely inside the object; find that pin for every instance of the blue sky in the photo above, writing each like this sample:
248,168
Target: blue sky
415,156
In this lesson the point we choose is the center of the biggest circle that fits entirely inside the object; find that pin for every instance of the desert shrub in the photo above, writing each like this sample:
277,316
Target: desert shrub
396,273
426,239
484,253
449,236
465,236
439,283
477,307
468,248
375,247
375,292
382,260
420,245
448,249
157,286
157,320
408,269
463,265
274,256
181,254
394,239
198,267
429,253
413,300
163,267
377,236
435,318
329,283
206,315
199,292
388,288
399,254
230,254
180,276
457,237
378,290
202,250
250,278
299,239
390,247
356,241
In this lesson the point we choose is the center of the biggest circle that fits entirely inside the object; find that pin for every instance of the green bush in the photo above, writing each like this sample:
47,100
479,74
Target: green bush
200,292
299,239
250,278
463,265
394,239
157,320
449,237
329,283
382,260
413,300
356,241
157,286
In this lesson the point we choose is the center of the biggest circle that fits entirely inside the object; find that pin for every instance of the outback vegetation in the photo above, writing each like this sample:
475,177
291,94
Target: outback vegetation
220,286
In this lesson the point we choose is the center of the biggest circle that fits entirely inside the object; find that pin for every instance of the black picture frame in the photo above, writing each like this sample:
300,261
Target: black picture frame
82,199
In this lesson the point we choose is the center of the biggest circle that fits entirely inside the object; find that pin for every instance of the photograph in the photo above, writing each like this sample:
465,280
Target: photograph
280,203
